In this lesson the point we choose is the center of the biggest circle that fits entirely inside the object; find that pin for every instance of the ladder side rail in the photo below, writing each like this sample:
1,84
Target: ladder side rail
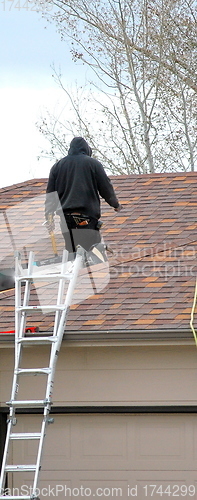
26,294
5,453
14,382
60,291
20,316
45,423
20,320
60,331
17,297
19,332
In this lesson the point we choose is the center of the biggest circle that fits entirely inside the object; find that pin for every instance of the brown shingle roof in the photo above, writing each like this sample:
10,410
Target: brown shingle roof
152,272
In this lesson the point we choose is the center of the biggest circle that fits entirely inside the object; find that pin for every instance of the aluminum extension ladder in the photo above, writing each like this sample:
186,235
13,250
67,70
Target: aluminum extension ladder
61,309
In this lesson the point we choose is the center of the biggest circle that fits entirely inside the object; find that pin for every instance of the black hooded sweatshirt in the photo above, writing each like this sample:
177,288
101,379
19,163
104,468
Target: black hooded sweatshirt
78,180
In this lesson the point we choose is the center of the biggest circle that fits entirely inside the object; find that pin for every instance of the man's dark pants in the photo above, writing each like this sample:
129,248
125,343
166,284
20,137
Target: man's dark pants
74,234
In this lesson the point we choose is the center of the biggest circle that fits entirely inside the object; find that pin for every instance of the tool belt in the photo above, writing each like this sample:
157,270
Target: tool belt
80,219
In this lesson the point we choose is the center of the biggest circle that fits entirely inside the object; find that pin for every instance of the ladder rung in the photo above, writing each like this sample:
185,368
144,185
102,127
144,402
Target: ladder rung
47,277
43,308
18,468
32,371
25,435
29,403
18,497
36,340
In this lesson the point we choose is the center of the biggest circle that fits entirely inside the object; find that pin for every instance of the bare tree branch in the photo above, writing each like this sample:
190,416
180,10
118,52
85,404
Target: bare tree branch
143,57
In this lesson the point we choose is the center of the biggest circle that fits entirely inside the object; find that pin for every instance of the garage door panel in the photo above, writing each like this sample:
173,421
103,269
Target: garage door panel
161,441
108,440
94,444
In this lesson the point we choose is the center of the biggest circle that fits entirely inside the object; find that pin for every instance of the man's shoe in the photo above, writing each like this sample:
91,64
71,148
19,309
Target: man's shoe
97,254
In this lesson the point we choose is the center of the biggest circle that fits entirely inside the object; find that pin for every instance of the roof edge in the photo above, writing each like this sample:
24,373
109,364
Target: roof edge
118,337
21,184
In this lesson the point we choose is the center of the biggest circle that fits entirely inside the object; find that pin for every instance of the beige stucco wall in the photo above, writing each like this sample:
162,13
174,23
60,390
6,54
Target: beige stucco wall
108,375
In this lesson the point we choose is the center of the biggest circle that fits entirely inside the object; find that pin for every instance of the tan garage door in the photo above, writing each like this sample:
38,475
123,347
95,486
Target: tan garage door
114,456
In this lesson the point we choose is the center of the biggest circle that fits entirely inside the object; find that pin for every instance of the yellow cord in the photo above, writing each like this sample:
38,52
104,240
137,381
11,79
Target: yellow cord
192,315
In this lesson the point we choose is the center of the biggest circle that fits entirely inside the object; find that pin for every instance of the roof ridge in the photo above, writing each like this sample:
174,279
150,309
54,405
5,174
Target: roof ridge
122,176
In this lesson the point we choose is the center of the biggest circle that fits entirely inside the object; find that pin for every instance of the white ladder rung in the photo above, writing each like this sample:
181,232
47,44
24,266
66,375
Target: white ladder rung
29,403
36,340
45,277
32,371
25,435
18,497
18,468
43,308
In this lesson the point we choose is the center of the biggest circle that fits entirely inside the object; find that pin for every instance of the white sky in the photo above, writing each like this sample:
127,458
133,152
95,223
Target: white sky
29,46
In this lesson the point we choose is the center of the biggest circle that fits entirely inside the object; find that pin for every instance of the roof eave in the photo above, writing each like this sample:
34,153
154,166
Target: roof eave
118,337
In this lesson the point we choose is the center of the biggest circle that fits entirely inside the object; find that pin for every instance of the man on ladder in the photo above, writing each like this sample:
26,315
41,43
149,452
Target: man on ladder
74,185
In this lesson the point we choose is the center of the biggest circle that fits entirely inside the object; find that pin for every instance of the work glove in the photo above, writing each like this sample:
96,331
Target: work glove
49,223
118,208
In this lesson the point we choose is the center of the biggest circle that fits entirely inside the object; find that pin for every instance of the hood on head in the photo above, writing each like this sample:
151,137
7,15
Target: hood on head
79,145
